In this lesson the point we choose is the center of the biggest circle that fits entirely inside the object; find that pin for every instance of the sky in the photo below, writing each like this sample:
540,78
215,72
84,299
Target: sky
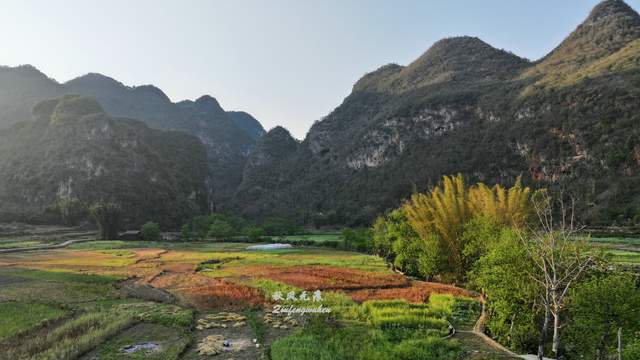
286,62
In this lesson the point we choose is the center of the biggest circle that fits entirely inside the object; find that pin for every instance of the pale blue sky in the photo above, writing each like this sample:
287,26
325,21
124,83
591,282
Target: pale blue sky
286,62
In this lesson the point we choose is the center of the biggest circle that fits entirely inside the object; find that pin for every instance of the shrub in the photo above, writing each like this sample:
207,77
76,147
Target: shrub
150,231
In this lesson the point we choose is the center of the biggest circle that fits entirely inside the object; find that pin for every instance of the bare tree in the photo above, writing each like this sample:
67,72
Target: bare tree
560,257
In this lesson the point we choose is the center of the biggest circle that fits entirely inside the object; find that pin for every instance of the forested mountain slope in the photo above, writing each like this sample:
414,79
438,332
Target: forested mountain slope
570,120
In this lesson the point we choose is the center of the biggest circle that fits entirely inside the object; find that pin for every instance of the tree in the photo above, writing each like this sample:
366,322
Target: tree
502,272
356,239
254,233
186,233
107,217
220,229
71,210
560,259
448,207
598,308
150,231
443,211
200,227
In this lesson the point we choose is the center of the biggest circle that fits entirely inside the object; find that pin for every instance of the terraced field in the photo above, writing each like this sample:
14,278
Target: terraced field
101,299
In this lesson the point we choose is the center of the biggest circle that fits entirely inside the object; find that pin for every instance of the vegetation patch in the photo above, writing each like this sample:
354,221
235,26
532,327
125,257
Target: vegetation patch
19,317
168,343
70,339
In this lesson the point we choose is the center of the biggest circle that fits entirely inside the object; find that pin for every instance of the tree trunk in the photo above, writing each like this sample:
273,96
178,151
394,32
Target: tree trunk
556,332
545,327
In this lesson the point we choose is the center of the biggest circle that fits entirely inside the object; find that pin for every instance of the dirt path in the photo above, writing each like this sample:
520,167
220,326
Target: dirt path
43,247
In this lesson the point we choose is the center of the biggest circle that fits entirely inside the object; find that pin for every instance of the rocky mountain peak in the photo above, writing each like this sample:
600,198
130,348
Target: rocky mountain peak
461,58
611,8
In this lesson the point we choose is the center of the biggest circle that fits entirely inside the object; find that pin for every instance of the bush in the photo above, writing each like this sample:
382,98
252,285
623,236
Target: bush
150,231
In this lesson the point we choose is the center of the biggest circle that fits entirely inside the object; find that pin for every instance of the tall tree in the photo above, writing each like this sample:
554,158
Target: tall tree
107,216
560,257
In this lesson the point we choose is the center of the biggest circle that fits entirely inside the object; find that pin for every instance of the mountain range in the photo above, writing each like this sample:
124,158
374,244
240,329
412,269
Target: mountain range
227,136
568,121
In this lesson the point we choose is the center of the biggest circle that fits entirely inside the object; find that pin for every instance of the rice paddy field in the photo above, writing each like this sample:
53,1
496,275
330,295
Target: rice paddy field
173,300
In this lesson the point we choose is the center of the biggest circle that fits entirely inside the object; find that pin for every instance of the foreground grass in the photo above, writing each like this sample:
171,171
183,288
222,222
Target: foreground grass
392,329
71,339
19,317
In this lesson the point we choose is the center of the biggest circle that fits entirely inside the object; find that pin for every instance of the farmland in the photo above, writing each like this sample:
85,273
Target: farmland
156,300
180,300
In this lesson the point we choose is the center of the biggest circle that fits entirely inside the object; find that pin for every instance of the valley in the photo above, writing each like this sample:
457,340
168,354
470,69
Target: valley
472,204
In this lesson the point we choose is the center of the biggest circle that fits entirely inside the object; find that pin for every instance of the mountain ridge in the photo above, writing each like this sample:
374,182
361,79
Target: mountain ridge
488,114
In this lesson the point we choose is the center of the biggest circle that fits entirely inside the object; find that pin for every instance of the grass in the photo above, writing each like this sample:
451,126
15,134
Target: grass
18,317
161,314
616,240
623,257
257,325
428,349
71,339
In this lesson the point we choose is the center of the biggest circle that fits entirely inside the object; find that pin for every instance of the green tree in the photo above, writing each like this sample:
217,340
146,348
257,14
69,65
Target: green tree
200,227
186,233
357,239
107,217
254,233
220,229
150,231
70,209
448,207
598,308
512,306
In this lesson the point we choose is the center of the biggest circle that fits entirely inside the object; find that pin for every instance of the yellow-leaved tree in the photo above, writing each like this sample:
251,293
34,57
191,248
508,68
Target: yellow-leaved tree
446,209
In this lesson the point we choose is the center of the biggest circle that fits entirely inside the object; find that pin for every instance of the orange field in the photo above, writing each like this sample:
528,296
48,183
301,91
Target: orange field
326,277
417,291
225,285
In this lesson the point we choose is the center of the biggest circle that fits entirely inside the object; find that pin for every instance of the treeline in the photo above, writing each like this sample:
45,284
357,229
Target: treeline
225,226
546,291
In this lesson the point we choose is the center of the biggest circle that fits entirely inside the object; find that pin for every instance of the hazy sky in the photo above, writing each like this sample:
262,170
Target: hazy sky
285,62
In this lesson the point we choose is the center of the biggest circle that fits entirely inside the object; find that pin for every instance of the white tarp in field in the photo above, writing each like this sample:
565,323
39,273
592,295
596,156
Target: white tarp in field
269,247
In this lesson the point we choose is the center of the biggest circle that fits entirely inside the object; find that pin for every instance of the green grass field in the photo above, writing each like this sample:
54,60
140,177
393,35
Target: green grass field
17,317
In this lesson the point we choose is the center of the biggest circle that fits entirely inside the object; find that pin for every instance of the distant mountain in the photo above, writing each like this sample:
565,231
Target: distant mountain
228,137
21,88
266,167
74,149
570,120
247,123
